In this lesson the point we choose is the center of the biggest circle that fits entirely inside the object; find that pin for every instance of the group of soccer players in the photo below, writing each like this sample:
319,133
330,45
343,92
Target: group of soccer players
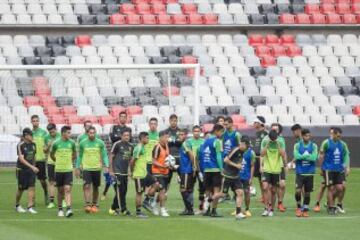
222,162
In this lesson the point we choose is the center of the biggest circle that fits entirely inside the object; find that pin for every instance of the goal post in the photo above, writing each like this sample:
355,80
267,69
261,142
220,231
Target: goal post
168,70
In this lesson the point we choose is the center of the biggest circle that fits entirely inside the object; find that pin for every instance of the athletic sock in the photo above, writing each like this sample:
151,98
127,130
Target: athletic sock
238,210
317,203
16,205
279,202
147,198
68,208
60,208
340,205
247,209
51,199
213,210
138,209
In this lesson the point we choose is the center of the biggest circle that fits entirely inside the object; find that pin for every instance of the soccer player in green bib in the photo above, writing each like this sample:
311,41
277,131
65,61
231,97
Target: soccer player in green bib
63,153
39,136
271,162
85,135
148,149
138,168
194,144
92,157
49,139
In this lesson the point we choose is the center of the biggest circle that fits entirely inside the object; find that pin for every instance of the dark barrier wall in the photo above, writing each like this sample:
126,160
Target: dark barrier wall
351,135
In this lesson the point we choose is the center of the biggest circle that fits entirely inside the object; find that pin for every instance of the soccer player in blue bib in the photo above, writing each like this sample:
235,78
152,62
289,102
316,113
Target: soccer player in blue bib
212,164
334,160
305,154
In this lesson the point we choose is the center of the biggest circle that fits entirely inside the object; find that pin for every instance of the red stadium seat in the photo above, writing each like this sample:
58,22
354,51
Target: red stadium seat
189,59
117,19
207,127
31,101
358,18
271,39
268,60
156,1
302,18
115,110
143,8
139,1
195,19
175,91
343,8
57,119
287,39
73,119
333,19
242,126
318,18
210,19
106,120
238,118
356,110
328,1
83,40
256,39
287,18
52,110
349,19
262,50
355,8
164,19
343,1
45,91
46,101
91,118
355,1
189,8
133,19
134,110
148,19
39,81
158,8
179,19
327,8
170,1
312,8
293,51
278,51
127,8
68,110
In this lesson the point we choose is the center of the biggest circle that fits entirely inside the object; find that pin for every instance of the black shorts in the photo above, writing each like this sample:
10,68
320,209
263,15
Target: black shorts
51,172
201,188
306,182
227,183
245,184
343,176
149,169
149,180
187,181
271,178
283,174
92,177
139,185
333,178
162,180
63,178
26,178
212,179
257,168
41,175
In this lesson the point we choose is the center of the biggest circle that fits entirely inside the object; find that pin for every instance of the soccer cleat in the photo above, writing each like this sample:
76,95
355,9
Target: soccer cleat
305,214
141,215
94,209
298,212
20,209
32,210
164,213
147,206
265,213
126,213
88,209
51,205
113,212
69,213
207,213
240,216
331,211
340,209
271,214
61,213
233,213
155,211
103,198
248,213
281,207
316,208
187,213
215,215
206,205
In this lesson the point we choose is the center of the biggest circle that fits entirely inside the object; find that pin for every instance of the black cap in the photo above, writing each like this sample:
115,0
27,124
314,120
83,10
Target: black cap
260,119
245,139
27,131
273,135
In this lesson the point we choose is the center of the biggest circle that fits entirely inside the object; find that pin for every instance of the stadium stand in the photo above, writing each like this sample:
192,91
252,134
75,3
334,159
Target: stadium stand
199,12
311,79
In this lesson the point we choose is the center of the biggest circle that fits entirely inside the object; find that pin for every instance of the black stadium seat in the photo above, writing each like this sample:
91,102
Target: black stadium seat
169,50
185,50
52,40
31,61
298,8
47,60
174,59
97,9
102,19
111,9
67,40
58,51
43,51
86,19
158,60
283,8
272,18
267,8
257,19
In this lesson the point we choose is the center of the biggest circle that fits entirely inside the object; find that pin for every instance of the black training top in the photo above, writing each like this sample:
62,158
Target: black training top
28,150
236,157
122,155
259,137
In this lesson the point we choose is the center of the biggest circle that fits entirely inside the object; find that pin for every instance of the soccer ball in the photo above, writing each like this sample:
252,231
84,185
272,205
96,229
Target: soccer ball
291,165
252,191
170,161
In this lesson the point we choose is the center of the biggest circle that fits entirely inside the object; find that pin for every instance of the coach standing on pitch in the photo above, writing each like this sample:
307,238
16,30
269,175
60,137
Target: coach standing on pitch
117,130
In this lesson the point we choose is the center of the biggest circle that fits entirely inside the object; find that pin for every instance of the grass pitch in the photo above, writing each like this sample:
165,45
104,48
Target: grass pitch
47,226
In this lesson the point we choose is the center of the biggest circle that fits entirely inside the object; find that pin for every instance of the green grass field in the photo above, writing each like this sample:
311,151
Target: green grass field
46,225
